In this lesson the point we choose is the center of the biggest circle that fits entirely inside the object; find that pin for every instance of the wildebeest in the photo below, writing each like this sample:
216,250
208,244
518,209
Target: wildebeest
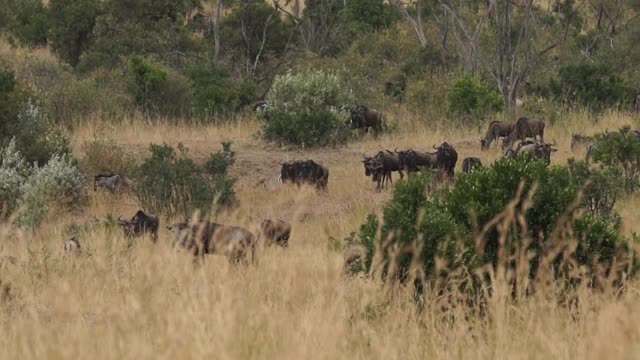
496,130
580,140
525,128
534,150
72,246
382,165
140,224
412,160
275,232
447,157
206,237
354,258
365,118
111,182
307,171
470,163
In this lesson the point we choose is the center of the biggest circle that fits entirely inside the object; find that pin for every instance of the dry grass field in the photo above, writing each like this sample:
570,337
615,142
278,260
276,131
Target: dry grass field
149,302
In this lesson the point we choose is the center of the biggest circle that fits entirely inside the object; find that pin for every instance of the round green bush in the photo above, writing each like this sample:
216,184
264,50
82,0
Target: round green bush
305,109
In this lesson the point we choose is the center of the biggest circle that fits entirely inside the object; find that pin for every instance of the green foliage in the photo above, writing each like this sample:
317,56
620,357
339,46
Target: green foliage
8,108
469,98
619,153
171,183
145,81
216,94
72,23
104,156
146,27
25,19
444,225
304,109
595,86
57,185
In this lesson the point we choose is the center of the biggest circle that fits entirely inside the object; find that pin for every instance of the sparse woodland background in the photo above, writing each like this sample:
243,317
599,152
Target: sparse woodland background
517,260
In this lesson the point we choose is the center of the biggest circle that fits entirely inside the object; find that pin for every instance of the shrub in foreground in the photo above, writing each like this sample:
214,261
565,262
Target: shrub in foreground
619,152
169,182
513,210
57,185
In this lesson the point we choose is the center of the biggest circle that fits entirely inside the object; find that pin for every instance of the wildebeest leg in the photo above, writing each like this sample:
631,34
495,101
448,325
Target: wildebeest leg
401,174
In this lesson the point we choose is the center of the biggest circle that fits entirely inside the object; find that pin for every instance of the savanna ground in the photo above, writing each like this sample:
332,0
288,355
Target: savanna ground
150,302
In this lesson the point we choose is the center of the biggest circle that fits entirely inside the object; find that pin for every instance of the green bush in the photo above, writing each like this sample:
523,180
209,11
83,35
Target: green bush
470,99
106,156
619,153
171,183
445,225
72,23
304,109
57,185
144,83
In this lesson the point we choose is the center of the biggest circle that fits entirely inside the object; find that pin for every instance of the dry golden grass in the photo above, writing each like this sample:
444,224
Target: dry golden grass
150,302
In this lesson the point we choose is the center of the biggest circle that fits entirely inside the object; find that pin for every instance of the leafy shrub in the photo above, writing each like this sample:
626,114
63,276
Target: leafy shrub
469,98
72,23
216,94
444,226
13,173
8,106
106,156
145,80
170,183
619,152
58,184
595,86
37,137
304,109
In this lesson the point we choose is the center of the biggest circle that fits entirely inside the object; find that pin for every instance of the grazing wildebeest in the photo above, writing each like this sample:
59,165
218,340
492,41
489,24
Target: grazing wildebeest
496,130
470,163
537,150
364,118
447,157
373,167
308,171
112,183
72,246
206,237
525,128
354,258
412,160
275,232
140,224
580,140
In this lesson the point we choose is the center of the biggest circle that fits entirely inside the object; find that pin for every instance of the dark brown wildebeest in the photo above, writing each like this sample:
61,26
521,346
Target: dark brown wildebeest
364,118
447,158
140,224
470,163
412,160
525,128
382,165
308,171
275,232
72,246
206,237
580,140
113,183
496,130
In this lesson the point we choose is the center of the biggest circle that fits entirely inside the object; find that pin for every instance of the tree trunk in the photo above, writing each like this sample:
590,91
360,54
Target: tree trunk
216,32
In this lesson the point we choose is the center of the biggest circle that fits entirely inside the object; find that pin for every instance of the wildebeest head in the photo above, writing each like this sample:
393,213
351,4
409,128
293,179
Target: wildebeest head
72,246
276,231
140,224
356,120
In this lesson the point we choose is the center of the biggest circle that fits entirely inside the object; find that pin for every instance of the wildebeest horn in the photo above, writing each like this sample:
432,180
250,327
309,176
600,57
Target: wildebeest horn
435,147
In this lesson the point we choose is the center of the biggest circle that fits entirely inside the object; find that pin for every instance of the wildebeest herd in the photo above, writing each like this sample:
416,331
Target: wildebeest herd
201,236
